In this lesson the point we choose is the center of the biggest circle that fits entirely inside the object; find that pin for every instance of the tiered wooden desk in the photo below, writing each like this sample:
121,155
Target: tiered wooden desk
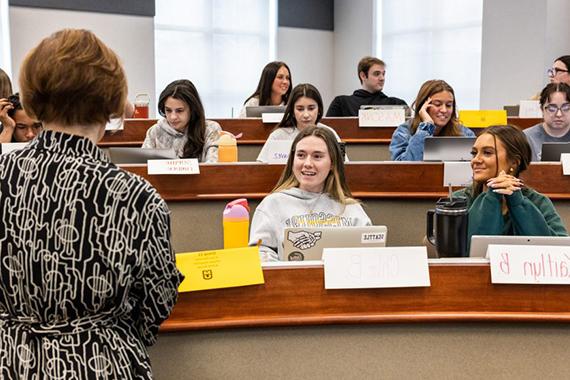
393,332
363,144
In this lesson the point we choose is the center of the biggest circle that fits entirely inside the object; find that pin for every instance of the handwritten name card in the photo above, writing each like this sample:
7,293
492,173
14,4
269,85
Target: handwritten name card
381,117
180,166
394,267
529,264
268,117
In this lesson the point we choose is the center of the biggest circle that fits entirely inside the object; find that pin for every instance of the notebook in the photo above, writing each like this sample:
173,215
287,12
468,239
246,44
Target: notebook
448,148
125,155
301,244
479,243
551,151
482,119
256,111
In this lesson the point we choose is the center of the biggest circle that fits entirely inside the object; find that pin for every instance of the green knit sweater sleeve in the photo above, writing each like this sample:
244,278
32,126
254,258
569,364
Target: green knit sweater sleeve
533,214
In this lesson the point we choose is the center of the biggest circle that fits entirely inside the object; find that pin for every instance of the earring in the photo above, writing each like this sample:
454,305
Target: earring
511,170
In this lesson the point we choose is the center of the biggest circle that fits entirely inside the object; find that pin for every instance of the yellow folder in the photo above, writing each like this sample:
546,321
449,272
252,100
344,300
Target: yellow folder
482,119
223,268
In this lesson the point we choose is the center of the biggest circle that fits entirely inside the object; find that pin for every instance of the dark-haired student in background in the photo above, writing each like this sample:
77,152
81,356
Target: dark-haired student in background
372,75
16,126
555,106
273,89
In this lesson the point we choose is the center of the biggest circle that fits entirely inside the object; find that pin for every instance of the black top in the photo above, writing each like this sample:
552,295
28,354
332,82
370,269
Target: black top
348,105
87,270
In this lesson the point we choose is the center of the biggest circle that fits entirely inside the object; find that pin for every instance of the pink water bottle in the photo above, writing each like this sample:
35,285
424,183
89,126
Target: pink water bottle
236,224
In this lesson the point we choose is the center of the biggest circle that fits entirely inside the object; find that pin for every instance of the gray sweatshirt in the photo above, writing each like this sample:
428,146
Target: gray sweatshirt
163,136
298,208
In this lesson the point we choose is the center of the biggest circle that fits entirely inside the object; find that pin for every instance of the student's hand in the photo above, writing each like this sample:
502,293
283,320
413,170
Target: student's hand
424,115
7,121
505,184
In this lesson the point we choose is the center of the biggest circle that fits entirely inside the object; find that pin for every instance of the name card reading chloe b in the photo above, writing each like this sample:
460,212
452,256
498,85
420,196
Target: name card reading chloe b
529,264
381,117
179,166
393,267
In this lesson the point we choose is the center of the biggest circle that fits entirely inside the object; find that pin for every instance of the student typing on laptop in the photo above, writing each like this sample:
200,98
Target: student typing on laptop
311,192
436,115
499,203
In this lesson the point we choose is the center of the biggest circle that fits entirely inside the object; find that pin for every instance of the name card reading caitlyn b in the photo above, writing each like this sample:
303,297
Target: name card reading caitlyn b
180,166
529,264
222,268
394,267
381,117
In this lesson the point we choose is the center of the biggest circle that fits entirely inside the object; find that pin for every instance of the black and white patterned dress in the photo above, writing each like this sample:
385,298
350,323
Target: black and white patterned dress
87,270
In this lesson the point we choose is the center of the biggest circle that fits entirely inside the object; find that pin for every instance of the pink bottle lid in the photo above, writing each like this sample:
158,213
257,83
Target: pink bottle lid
237,210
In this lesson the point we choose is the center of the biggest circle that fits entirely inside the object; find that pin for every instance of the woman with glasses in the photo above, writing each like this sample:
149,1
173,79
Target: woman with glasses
555,106
559,71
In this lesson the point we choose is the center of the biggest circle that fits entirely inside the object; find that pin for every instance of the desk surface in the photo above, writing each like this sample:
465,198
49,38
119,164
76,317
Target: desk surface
387,179
255,132
296,296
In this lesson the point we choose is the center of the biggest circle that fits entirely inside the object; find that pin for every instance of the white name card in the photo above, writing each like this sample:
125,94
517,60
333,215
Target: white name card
565,159
457,173
114,125
381,117
529,108
10,147
529,264
394,267
180,166
277,151
271,117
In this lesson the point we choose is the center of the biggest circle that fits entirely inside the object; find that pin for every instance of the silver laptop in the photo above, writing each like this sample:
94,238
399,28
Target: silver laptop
479,243
256,111
448,148
124,155
551,151
301,244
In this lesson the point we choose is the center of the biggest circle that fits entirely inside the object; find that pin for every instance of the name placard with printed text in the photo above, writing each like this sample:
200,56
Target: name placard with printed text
381,117
529,264
390,267
179,166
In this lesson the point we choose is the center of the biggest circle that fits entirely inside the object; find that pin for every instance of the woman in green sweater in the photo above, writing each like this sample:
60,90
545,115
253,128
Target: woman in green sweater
499,203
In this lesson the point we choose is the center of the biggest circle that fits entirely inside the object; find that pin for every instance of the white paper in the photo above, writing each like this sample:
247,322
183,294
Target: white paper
457,173
381,117
565,159
529,264
178,166
393,267
530,108
9,147
277,151
271,117
114,125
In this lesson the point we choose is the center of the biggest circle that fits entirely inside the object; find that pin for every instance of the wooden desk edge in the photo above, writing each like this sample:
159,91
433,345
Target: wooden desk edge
388,318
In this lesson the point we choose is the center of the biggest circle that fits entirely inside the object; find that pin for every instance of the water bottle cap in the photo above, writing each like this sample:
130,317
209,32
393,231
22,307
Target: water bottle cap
226,138
238,209
457,205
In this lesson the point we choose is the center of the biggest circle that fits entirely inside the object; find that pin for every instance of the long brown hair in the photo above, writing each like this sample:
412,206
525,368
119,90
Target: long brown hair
428,89
300,90
5,85
335,183
263,90
517,148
